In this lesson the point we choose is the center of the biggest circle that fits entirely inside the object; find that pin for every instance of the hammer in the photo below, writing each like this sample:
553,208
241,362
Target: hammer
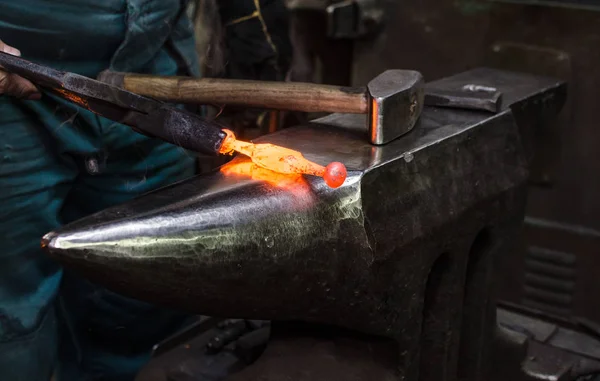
393,100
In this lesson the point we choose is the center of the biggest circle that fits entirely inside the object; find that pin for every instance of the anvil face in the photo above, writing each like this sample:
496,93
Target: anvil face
241,243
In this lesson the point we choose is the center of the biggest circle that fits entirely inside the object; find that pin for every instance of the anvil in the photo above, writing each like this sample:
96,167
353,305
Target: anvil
401,251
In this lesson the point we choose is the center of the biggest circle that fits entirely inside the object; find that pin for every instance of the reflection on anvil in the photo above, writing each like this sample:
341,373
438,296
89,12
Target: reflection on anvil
386,254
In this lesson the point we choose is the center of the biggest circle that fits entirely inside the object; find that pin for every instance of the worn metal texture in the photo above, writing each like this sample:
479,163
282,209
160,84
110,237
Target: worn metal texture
552,267
547,137
403,250
144,115
471,97
555,267
395,104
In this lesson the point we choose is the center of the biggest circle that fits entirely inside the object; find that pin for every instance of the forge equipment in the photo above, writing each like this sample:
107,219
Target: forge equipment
156,119
375,280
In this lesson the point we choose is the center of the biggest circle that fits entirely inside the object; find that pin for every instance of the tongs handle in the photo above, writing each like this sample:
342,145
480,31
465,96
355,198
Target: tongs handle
37,74
144,115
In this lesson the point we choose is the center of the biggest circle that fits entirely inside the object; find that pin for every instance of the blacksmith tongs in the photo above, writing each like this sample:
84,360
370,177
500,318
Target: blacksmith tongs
144,115
156,119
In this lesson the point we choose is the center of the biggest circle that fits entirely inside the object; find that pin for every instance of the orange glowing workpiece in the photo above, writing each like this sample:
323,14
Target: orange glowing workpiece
284,160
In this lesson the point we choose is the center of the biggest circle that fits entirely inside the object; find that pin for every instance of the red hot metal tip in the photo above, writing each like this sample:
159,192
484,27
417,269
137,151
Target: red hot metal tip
284,160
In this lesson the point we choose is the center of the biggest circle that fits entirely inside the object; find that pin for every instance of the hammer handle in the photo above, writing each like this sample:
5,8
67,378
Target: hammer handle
292,96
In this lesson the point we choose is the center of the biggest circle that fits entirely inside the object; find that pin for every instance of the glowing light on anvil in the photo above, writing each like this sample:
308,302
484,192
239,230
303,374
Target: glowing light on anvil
245,167
284,160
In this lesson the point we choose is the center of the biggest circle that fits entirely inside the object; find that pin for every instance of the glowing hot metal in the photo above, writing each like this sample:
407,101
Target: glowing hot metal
284,160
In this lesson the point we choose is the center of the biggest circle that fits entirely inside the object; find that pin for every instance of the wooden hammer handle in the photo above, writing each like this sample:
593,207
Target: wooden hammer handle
293,96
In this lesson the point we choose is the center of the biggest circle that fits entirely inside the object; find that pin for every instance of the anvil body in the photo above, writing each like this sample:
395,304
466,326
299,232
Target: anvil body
403,250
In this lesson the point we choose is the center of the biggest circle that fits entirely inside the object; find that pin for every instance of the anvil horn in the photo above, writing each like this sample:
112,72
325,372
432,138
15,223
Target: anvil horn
196,244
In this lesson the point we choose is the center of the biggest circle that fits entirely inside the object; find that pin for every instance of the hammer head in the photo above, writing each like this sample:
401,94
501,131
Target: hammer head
396,102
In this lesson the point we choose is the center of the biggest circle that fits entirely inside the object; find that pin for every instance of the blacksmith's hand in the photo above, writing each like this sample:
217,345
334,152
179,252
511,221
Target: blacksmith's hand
12,84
